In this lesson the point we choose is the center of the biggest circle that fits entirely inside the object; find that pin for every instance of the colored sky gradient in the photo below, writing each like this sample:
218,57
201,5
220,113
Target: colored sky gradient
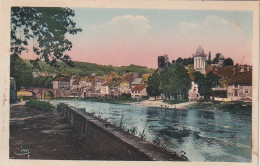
138,36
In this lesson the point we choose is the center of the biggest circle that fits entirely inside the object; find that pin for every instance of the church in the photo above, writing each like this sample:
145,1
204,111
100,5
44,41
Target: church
200,59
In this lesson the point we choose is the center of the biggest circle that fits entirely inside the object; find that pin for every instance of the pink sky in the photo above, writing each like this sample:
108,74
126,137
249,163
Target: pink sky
124,39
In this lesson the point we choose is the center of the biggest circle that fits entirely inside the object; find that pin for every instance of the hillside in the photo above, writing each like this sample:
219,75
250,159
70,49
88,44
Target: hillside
85,68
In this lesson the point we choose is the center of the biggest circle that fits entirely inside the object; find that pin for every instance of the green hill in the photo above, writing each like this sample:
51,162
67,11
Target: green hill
85,68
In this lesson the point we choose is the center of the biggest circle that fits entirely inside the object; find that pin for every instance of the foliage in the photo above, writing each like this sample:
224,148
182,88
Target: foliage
176,82
209,60
154,83
85,68
21,72
184,61
215,60
228,62
206,83
42,82
61,106
40,105
46,28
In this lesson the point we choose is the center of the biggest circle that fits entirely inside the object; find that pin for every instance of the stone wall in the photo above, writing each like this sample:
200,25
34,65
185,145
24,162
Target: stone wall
113,142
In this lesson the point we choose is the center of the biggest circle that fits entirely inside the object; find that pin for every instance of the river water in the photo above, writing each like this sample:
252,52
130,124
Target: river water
203,135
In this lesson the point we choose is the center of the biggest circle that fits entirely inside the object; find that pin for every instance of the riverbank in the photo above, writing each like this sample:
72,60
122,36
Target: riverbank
161,104
103,100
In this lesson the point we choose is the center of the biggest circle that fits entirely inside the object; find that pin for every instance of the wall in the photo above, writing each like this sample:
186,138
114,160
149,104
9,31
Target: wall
107,140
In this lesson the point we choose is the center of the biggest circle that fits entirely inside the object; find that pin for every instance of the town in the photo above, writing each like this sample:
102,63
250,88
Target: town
235,82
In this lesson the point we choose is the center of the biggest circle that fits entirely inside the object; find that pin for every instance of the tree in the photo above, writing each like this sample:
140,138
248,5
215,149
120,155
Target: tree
206,83
228,62
153,87
46,28
179,60
176,82
209,60
215,60
21,72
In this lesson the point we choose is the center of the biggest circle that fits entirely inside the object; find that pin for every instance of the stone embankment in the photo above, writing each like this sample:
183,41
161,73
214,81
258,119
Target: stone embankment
95,128
73,134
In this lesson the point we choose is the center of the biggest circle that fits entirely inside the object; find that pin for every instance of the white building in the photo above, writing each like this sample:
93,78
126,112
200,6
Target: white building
138,92
200,60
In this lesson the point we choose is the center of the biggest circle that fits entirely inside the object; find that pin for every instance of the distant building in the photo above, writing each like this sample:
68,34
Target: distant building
194,91
240,86
61,82
220,63
139,92
136,81
200,60
104,90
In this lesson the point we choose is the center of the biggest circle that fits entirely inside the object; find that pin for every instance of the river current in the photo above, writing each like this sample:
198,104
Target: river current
203,135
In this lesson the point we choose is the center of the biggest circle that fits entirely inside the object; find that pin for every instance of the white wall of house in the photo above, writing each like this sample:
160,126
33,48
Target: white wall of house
55,85
239,91
138,94
194,92
104,90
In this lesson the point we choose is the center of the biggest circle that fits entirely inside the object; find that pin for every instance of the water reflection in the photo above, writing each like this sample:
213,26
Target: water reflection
205,135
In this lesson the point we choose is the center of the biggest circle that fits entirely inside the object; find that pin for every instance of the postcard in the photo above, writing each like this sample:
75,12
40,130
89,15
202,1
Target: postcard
129,82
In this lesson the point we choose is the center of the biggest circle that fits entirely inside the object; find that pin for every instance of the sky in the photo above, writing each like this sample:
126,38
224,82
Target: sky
121,37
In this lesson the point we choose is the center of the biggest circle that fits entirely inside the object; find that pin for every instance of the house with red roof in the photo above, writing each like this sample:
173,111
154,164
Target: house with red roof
104,89
138,92
240,86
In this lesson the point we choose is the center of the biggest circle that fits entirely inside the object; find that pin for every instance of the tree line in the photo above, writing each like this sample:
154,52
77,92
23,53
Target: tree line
175,82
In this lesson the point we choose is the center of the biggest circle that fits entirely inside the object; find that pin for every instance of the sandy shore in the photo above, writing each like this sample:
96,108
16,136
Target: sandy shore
159,103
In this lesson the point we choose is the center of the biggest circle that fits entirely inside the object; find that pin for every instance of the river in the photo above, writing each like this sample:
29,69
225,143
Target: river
204,135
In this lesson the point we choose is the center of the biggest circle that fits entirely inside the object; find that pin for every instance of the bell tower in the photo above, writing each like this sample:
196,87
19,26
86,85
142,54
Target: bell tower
200,60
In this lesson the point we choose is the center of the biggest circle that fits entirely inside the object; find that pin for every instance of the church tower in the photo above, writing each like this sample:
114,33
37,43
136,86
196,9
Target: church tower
200,60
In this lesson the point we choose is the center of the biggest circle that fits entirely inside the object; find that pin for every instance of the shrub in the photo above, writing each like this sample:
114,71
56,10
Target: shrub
40,105
61,106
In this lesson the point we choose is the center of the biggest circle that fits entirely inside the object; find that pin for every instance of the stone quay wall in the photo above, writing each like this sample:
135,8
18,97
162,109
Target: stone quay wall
107,139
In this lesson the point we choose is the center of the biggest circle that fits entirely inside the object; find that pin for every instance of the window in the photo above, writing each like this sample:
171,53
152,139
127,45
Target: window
236,85
246,91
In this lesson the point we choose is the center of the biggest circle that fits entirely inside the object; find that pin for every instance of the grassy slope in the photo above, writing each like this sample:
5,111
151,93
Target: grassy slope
85,68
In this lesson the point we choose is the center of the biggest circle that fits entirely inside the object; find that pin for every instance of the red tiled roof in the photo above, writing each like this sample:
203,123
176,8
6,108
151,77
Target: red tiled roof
138,88
108,82
222,72
60,78
242,77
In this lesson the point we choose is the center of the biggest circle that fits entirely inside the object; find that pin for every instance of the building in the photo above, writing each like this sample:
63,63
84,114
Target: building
199,66
61,82
136,81
104,90
139,92
194,91
240,86
200,60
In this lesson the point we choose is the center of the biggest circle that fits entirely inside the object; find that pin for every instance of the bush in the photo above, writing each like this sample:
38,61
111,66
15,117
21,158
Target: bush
61,106
40,105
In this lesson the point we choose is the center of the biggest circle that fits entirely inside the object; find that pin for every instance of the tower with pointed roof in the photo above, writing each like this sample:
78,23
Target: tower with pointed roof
200,60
